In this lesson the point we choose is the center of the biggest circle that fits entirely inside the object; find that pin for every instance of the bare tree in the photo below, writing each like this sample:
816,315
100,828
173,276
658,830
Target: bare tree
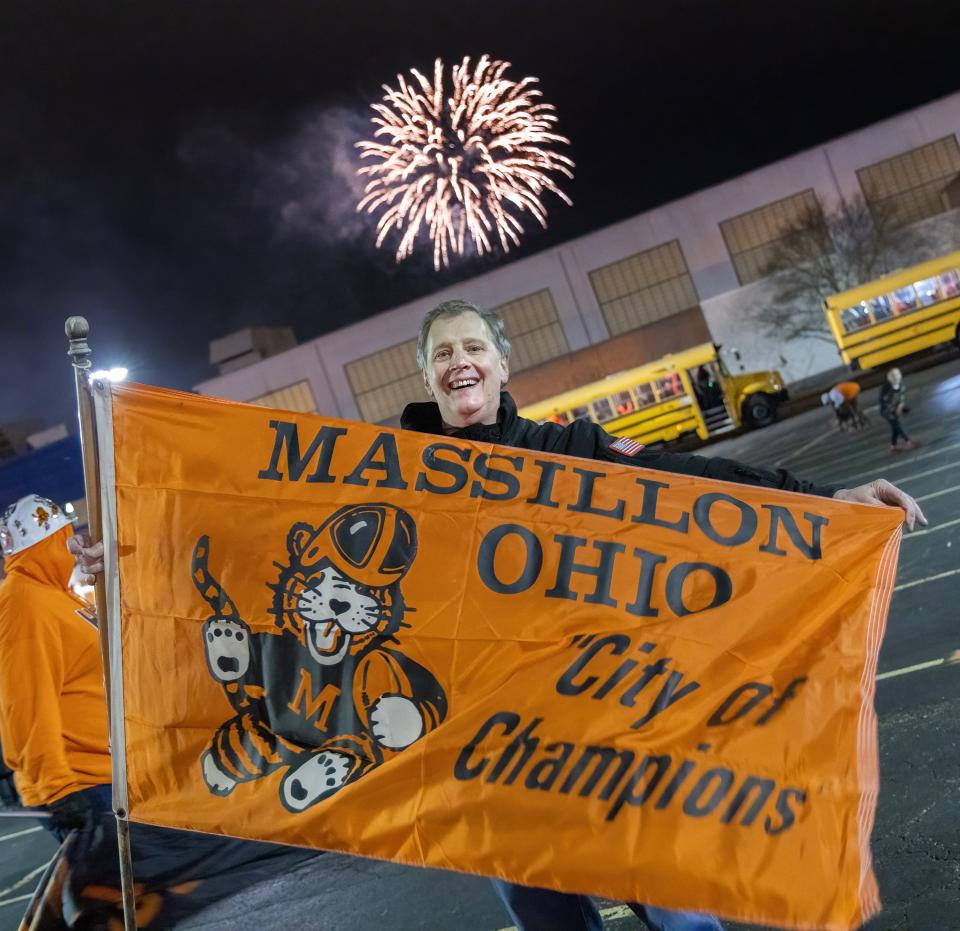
825,252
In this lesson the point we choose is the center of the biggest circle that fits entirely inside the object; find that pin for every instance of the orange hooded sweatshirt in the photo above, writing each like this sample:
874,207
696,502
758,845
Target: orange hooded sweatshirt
53,715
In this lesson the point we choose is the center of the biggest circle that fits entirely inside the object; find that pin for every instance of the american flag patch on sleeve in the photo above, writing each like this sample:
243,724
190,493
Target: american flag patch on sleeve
626,447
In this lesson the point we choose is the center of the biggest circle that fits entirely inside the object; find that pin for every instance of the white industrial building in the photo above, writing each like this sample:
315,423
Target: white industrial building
682,273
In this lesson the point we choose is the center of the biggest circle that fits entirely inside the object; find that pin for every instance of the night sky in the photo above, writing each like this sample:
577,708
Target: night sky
177,170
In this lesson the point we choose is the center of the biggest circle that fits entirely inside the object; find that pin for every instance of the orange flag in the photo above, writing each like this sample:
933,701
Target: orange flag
565,673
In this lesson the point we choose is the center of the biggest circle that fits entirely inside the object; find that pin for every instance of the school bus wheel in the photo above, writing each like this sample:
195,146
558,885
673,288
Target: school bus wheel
759,410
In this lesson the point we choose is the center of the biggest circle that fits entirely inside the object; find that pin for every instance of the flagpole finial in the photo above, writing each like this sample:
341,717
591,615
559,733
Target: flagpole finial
77,330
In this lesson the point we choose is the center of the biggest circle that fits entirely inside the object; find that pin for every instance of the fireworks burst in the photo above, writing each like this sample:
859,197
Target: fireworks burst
462,166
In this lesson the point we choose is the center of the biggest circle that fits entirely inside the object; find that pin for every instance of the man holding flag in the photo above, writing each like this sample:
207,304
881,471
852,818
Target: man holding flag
463,352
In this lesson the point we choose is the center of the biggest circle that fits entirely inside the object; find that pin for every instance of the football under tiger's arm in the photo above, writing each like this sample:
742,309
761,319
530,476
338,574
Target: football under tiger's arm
398,699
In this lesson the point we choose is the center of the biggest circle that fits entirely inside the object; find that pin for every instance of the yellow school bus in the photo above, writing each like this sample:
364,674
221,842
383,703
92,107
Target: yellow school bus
897,315
689,392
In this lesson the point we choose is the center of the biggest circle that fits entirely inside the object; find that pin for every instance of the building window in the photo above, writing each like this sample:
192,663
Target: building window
643,288
754,238
296,397
909,187
534,329
384,382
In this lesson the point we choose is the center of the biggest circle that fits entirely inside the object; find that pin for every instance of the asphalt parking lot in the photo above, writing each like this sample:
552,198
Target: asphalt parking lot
917,835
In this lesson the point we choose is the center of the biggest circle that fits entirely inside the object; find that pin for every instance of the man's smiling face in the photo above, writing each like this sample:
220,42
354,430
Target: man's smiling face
465,371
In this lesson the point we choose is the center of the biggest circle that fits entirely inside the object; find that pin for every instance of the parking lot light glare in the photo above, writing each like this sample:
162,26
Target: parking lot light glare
118,373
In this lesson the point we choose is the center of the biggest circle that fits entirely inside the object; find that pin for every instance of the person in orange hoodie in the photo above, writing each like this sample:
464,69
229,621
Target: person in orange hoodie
53,727
53,713
845,400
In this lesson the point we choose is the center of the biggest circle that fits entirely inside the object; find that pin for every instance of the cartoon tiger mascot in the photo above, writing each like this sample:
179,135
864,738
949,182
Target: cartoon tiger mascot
328,695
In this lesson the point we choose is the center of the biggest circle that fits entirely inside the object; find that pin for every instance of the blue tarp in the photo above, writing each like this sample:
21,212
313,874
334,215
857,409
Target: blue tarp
54,471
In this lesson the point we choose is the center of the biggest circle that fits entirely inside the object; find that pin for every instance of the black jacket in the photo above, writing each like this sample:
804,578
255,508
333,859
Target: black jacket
588,440
892,399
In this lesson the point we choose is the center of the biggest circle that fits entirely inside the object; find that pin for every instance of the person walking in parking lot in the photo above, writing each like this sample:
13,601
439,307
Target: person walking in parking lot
893,404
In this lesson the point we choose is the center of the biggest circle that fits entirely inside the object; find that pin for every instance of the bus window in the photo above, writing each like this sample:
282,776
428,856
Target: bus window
645,395
903,299
560,417
949,283
602,410
879,309
580,413
927,291
852,319
669,386
623,403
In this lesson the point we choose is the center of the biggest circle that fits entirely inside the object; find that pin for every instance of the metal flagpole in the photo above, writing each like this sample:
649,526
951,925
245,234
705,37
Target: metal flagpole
107,602
77,329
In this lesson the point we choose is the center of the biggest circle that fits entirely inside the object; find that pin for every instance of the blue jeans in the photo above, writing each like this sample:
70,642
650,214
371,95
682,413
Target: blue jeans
896,430
535,909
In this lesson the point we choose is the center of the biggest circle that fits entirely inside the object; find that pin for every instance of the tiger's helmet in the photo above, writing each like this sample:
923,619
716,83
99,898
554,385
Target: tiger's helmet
373,544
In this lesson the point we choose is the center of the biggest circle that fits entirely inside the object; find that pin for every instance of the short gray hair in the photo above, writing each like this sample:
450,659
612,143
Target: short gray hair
455,308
